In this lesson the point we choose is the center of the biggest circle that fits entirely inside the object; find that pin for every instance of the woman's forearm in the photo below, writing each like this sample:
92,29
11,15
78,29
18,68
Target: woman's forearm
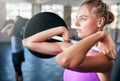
44,35
78,51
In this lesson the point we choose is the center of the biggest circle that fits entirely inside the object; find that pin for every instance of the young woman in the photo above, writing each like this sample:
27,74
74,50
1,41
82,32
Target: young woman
81,61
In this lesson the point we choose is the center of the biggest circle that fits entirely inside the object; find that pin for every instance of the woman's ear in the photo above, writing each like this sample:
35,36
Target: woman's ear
101,22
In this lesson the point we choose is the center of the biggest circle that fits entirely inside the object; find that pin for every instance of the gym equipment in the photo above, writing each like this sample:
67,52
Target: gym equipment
43,21
40,22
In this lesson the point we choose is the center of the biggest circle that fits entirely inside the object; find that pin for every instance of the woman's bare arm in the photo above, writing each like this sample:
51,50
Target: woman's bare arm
37,41
72,57
8,29
75,56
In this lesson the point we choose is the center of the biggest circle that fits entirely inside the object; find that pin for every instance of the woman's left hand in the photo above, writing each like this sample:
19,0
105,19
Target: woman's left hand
108,46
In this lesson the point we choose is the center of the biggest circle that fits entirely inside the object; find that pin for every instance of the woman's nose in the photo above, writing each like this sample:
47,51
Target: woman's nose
77,22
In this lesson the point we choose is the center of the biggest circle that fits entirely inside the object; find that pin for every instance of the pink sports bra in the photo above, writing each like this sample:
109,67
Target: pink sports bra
70,75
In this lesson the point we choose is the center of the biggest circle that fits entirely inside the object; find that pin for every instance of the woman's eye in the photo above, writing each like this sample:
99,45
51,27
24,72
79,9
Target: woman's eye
83,19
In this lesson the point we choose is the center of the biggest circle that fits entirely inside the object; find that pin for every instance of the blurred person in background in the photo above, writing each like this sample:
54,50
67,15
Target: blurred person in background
14,30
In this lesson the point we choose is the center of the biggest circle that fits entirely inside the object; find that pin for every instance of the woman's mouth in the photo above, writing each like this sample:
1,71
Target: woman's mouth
78,30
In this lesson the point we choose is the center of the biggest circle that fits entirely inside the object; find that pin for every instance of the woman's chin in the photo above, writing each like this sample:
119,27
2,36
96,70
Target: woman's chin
80,36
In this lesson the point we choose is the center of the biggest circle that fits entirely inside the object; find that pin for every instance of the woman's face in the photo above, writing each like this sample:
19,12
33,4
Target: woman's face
86,22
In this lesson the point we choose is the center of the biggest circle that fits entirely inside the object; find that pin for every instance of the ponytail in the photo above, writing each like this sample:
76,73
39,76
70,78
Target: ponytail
110,17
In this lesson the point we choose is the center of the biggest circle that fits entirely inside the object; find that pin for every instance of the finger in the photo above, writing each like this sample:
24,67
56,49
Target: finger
105,51
114,53
66,38
111,54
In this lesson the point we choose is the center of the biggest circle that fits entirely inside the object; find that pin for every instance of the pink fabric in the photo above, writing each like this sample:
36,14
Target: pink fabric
70,75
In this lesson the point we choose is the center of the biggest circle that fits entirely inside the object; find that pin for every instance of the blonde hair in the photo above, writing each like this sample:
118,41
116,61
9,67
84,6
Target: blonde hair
100,9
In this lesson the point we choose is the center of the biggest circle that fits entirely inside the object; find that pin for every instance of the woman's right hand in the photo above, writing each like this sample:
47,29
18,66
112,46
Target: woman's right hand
65,34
